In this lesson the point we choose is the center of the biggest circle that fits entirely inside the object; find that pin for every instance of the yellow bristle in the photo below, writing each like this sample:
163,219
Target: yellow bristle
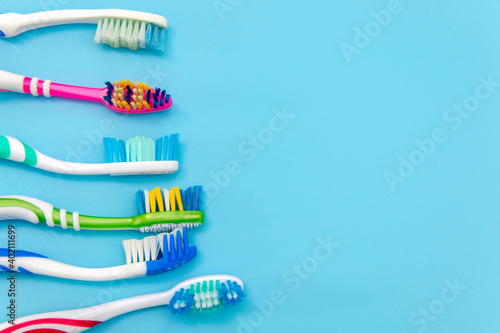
134,91
156,200
135,98
146,104
171,198
140,98
115,95
114,102
120,105
127,105
133,105
146,86
139,105
120,96
141,92
178,198
175,199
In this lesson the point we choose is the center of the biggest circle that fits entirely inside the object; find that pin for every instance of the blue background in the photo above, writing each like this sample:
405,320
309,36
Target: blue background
323,175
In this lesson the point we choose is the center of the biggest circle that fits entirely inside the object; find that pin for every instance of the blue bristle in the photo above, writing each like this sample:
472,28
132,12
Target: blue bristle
181,296
159,149
166,144
239,290
122,151
107,150
163,40
172,147
194,198
162,97
183,199
167,98
108,100
187,199
129,91
109,85
149,35
115,150
139,200
198,201
175,252
148,96
155,38
229,288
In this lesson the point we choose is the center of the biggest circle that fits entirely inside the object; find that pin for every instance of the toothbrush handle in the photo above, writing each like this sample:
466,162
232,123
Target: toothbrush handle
12,24
23,84
72,321
44,266
36,87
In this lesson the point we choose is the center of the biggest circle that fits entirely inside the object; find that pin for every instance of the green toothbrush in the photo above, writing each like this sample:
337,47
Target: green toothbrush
160,210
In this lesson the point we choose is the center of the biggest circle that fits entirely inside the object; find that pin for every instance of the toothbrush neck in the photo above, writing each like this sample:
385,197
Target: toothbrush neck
110,310
89,94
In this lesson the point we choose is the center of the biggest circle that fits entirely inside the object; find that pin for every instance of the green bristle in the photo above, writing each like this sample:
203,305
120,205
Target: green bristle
211,288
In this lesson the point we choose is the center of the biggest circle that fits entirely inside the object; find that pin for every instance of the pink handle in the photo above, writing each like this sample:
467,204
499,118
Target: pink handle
63,90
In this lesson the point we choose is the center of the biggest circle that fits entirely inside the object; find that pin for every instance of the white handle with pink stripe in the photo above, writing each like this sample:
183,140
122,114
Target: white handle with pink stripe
23,84
201,293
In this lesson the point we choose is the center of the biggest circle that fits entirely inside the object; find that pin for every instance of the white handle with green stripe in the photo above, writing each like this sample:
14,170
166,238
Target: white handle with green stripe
15,150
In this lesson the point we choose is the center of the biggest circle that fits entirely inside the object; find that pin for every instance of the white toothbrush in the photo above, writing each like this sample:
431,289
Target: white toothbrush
203,294
149,256
116,27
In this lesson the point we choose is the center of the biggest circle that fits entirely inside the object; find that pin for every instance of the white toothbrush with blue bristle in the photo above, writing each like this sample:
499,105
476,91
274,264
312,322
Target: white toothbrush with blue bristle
116,27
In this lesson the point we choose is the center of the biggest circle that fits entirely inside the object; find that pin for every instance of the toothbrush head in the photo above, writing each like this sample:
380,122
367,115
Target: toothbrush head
182,202
132,34
206,294
141,149
162,252
135,97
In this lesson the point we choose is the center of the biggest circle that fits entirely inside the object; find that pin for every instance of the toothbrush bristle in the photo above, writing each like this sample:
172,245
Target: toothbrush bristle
131,34
141,148
167,227
135,97
160,200
206,296
173,248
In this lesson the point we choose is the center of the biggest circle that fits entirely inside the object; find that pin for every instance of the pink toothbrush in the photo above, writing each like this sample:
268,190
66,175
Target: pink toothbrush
121,96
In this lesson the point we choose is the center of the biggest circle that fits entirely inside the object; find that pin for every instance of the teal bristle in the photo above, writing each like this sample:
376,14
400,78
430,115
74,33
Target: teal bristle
131,34
141,149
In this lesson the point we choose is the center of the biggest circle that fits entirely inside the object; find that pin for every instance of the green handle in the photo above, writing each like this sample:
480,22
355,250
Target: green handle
42,209
136,222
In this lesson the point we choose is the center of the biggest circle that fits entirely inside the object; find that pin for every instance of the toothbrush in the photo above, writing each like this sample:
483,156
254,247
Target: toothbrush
136,156
202,294
116,27
120,96
150,256
183,210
